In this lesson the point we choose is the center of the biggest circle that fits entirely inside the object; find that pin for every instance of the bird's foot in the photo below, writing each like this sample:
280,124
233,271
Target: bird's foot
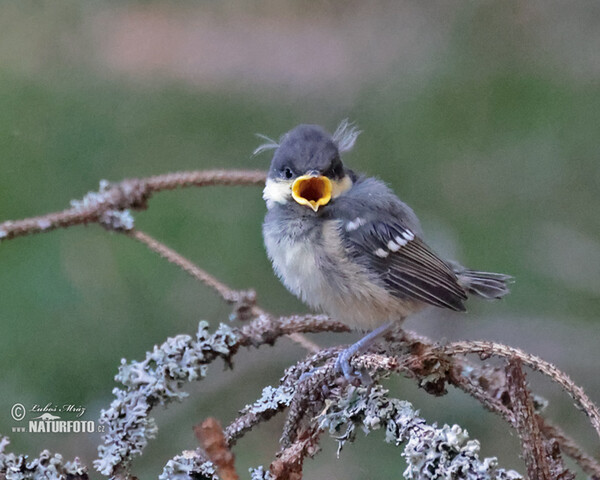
342,364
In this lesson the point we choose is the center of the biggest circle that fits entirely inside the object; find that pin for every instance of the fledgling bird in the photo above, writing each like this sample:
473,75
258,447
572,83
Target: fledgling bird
346,245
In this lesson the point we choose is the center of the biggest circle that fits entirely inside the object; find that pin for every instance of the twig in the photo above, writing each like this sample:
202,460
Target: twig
244,300
490,348
266,329
532,442
288,465
226,293
127,194
212,440
304,342
587,463
488,386
458,379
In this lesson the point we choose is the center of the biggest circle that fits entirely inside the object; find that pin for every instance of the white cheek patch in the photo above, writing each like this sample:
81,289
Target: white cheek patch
340,186
277,192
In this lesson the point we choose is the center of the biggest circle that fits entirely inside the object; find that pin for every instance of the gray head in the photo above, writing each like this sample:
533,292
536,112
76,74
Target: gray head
306,166
306,148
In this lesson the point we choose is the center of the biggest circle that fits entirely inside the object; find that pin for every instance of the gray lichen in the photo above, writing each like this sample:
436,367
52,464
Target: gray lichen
112,219
189,465
92,199
431,452
272,399
46,466
155,381
260,474
117,220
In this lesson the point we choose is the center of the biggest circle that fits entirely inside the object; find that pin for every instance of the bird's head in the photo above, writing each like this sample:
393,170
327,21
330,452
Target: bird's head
306,168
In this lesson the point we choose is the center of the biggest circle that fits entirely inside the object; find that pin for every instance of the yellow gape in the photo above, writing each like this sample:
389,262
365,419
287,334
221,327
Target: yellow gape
312,191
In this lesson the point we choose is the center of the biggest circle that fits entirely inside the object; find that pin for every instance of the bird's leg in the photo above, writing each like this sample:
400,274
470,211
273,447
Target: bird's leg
343,361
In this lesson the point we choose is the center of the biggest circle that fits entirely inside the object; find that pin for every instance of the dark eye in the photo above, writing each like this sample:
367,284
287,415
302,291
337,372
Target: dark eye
287,173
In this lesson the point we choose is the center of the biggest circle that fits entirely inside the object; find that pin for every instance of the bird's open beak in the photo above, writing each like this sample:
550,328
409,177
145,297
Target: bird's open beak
312,191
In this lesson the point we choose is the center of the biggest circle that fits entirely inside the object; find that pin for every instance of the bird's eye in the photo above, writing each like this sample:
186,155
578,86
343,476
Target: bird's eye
287,173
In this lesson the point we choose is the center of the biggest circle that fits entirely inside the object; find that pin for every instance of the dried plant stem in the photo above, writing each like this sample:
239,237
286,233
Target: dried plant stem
226,293
587,463
244,299
127,194
532,441
491,399
479,394
288,465
203,178
536,363
433,365
212,440
304,342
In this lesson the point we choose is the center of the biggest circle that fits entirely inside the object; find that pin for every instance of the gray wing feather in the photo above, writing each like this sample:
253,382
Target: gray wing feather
412,271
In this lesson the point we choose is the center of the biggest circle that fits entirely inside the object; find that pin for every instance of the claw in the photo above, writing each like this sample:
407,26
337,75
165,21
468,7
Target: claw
342,364
307,375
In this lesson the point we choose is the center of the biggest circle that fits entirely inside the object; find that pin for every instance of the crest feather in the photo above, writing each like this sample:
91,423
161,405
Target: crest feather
269,144
345,135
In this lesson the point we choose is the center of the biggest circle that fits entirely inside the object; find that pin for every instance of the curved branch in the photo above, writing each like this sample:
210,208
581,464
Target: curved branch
226,293
128,194
534,362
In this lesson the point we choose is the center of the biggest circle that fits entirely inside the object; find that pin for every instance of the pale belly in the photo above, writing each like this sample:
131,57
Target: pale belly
327,281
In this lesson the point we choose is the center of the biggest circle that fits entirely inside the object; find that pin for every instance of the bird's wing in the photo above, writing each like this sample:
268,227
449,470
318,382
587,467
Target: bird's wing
375,232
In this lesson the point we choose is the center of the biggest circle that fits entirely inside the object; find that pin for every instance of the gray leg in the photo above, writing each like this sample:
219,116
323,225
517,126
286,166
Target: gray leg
343,361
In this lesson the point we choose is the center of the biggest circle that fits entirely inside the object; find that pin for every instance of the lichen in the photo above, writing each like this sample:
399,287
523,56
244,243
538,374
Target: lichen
260,474
92,199
157,380
117,220
431,452
189,465
112,219
272,399
46,466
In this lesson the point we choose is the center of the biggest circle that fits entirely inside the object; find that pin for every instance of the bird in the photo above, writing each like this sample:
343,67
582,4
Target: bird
347,246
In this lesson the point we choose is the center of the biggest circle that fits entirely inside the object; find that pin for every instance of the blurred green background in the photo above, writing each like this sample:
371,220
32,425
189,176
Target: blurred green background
484,116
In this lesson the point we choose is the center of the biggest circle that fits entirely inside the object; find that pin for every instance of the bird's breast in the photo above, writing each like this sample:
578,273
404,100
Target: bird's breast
312,263
295,254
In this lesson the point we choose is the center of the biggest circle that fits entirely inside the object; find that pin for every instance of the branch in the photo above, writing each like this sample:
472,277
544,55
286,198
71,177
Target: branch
305,387
490,348
229,295
45,465
431,452
128,194
212,440
532,442
288,465
487,384
159,379
587,463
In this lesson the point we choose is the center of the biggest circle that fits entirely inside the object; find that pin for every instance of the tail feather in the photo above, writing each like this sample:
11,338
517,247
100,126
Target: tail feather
484,284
